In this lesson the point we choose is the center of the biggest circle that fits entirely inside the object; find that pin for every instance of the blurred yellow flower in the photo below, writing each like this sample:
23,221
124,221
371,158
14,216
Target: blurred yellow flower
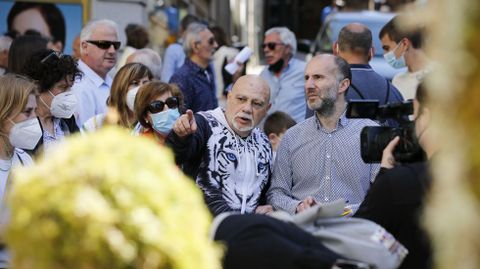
108,200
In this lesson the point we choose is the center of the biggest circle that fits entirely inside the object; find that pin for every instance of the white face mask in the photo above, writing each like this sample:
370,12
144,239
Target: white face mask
392,59
63,104
25,134
131,94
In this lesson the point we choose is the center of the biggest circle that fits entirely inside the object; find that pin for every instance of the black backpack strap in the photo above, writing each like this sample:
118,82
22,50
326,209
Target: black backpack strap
388,91
357,90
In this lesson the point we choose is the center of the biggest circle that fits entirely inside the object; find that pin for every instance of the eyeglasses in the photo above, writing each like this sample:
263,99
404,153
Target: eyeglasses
105,44
271,45
157,106
211,41
58,55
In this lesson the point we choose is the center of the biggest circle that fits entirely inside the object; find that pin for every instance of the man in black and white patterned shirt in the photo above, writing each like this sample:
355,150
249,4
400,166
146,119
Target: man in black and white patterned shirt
319,159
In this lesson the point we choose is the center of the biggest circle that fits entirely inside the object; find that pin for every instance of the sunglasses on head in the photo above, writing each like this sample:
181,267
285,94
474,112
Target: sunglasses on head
157,106
105,44
271,45
52,55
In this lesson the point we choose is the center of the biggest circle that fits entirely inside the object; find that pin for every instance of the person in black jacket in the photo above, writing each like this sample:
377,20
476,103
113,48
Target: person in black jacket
395,200
54,74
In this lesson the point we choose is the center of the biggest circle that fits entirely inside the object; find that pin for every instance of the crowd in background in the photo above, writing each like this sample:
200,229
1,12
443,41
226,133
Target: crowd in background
277,141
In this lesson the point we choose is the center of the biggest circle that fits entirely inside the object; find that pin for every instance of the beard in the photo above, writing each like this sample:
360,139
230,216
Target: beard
244,128
277,66
325,106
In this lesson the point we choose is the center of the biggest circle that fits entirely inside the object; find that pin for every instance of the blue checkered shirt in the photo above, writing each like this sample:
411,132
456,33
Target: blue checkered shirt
325,165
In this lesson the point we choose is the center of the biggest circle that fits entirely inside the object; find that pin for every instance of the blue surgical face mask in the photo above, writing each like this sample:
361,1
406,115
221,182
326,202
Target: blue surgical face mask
163,121
392,59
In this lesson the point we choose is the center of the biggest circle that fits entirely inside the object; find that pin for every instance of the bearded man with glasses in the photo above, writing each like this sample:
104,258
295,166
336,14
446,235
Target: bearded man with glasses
284,73
98,55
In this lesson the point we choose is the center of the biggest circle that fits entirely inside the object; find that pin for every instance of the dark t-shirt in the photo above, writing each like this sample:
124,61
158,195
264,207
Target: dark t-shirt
395,201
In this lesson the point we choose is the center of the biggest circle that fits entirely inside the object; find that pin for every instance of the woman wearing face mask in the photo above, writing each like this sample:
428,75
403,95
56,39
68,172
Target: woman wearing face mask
54,74
19,127
122,95
157,107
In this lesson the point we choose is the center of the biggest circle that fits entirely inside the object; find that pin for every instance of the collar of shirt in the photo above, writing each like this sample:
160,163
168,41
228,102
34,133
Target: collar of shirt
196,68
94,77
342,121
360,66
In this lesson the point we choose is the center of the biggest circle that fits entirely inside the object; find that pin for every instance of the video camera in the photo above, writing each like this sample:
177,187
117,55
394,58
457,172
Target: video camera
374,139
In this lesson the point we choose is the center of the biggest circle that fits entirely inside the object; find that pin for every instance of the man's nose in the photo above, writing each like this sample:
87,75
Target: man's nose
111,49
247,108
309,84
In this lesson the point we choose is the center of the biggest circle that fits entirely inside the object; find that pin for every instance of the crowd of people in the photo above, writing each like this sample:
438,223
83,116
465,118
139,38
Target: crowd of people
278,141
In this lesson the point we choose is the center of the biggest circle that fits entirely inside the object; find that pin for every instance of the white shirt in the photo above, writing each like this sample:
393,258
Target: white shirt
92,92
407,82
20,157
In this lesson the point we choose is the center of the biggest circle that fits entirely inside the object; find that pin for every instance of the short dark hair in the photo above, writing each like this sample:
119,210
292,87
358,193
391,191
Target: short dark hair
47,69
220,36
137,36
277,123
187,20
356,42
50,13
396,32
343,68
23,47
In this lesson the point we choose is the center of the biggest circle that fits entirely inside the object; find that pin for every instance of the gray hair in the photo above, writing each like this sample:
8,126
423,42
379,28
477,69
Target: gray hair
192,35
5,42
150,59
91,26
286,36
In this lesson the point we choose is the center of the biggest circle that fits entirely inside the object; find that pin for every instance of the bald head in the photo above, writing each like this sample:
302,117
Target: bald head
356,39
254,83
247,104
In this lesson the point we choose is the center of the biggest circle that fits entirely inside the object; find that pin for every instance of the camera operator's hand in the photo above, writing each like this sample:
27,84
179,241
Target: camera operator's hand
388,161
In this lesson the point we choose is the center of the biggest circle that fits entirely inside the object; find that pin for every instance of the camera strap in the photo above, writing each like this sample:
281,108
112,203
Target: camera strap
357,91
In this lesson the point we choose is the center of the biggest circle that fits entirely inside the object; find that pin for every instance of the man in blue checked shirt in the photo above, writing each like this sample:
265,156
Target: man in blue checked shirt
319,159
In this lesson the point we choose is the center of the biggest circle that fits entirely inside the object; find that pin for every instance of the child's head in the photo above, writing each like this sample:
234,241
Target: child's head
275,126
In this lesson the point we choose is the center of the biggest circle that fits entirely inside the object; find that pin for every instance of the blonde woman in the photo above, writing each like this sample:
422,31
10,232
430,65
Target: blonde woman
127,78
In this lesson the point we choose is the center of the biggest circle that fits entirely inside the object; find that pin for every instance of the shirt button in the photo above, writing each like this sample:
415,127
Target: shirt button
329,135
327,177
328,156
326,199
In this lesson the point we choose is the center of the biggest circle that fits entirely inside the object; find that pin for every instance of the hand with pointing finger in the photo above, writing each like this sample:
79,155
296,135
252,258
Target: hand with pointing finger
185,125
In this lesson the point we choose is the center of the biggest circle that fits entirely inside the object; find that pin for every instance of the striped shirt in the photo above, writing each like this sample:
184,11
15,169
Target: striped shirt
326,165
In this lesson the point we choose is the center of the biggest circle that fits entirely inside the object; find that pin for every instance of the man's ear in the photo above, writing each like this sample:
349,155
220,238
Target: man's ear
273,138
83,46
371,53
335,48
269,106
344,84
194,46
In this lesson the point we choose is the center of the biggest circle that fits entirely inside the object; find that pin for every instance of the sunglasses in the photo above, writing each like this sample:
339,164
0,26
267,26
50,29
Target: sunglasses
157,106
105,44
271,45
211,41
52,55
